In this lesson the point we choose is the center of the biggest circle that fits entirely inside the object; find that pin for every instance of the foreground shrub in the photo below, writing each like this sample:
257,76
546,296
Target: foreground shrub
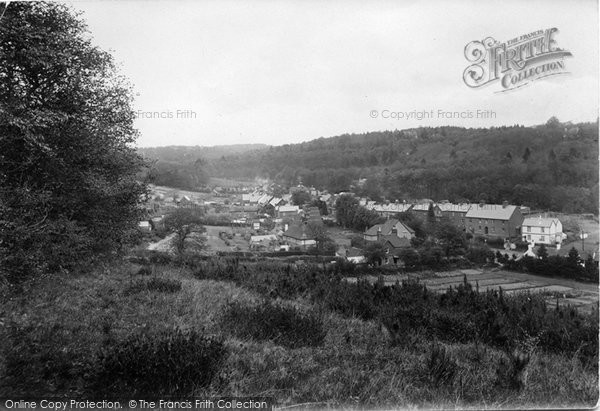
172,362
513,370
40,359
441,366
283,325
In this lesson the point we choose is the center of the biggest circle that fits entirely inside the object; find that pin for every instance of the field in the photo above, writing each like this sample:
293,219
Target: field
215,243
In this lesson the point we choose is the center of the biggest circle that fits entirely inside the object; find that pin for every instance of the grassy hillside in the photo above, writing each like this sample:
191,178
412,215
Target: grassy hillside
71,334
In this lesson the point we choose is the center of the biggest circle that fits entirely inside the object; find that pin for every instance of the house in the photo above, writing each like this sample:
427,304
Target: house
388,210
422,210
353,254
456,213
494,220
265,239
393,246
264,199
300,235
287,211
145,226
312,215
326,198
390,227
540,230
251,198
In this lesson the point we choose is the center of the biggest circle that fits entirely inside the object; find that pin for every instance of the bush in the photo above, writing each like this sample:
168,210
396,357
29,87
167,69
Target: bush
40,360
512,371
172,362
286,326
441,365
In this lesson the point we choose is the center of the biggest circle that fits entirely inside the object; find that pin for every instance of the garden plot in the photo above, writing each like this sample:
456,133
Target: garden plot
581,295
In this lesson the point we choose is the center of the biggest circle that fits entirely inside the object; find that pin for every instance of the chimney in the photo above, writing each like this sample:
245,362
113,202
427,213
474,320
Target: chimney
378,232
481,203
285,227
504,204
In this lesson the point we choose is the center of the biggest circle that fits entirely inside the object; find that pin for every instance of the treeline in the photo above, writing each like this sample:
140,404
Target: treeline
186,176
551,166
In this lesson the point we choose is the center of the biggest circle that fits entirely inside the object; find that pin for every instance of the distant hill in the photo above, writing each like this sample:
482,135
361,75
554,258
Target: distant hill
552,166
186,154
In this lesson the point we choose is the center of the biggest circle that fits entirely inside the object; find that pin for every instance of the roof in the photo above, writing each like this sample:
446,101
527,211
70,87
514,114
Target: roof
299,232
421,207
354,252
460,208
395,241
491,211
540,222
264,199
258,238
389,208
275,201
288,208
386,228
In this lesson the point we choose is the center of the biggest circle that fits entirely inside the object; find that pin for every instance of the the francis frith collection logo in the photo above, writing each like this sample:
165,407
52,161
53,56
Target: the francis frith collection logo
516,62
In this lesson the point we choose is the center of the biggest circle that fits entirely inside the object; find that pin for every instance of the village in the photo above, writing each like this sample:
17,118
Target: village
249,217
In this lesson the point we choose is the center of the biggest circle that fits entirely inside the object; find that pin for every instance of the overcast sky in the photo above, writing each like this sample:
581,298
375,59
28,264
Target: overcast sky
280,72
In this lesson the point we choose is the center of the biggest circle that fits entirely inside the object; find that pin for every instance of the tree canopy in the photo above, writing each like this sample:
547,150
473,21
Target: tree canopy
67,165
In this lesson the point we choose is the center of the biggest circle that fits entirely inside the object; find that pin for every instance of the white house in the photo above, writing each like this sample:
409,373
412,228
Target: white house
540,230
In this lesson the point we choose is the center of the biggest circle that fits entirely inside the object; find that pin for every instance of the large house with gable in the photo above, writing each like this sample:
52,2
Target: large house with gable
300,235
391,227
494,220
540,230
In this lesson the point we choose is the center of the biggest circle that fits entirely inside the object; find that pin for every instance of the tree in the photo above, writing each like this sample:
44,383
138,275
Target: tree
542,252
183,222
375,253
321,205
300,197
450,238
526,154
68,187
324,243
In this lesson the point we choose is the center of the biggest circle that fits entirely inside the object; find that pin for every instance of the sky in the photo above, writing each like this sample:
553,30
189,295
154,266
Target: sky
280,72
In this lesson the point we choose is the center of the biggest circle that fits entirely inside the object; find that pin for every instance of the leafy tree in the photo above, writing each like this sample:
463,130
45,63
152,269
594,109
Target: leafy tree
183,222
67,169
450,238
375,253
324,242
300,197
526,154
321,205
542,252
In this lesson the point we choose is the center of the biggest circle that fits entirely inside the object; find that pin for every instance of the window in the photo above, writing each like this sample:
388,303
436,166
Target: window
542,229
493,229
528,229
528,237
542,238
